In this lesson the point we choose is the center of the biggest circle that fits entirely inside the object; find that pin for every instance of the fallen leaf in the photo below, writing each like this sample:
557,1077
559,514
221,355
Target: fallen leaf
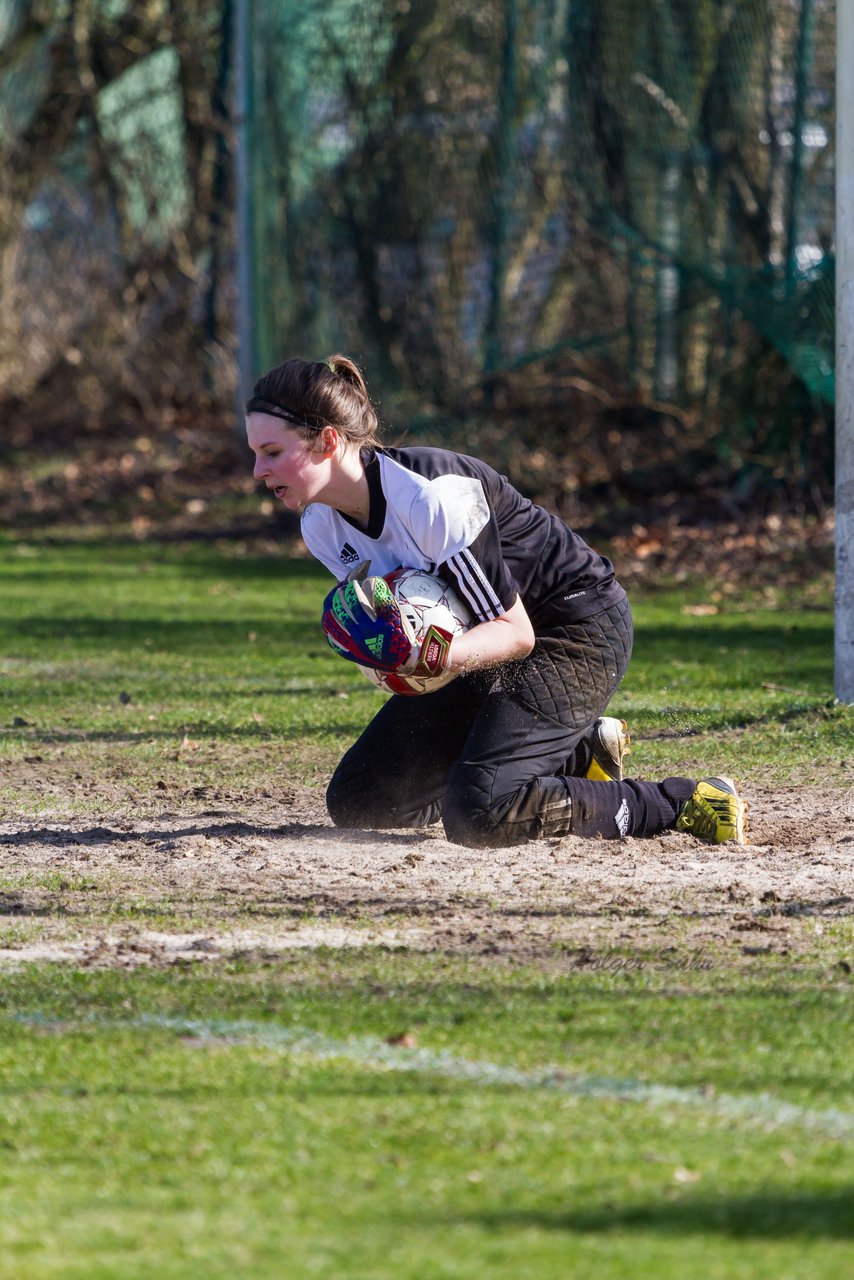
406,1040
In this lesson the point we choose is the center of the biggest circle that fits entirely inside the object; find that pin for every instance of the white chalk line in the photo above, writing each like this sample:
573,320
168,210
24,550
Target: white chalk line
758,1110
147,945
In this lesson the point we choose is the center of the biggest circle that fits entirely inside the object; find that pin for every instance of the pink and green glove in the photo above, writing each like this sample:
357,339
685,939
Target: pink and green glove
362,621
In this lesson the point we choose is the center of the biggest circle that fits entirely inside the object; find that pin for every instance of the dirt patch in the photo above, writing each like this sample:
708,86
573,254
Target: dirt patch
273,875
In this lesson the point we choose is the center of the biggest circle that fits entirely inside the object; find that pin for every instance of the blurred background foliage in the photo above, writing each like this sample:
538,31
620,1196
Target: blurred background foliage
592,239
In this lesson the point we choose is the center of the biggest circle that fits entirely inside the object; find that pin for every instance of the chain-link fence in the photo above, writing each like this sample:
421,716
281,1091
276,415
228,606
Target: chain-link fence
630,202
597,231
114,223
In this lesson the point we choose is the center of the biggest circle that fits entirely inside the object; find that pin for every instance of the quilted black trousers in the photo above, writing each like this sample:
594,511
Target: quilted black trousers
501,755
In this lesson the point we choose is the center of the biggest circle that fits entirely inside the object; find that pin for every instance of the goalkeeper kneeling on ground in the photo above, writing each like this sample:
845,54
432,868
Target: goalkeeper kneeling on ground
516,746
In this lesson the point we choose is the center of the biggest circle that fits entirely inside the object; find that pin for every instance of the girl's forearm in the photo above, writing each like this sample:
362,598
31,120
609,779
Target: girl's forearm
488,644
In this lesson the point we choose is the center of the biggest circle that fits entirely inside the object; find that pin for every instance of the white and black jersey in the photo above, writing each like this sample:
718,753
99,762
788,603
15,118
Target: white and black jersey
454,515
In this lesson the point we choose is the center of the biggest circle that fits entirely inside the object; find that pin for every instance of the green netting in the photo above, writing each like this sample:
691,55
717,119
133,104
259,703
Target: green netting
140,115
450,191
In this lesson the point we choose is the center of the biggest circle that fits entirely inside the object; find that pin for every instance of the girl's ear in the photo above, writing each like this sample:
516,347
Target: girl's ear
327,442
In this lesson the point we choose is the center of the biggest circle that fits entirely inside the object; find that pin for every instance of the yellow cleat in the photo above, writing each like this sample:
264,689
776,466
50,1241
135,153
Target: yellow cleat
715,812
610,746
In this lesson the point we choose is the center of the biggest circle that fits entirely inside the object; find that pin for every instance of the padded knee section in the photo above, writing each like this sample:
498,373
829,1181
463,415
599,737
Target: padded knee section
466,822
472,818
355,799
345,801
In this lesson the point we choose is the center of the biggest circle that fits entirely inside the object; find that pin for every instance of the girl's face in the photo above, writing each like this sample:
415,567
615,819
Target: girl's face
295,470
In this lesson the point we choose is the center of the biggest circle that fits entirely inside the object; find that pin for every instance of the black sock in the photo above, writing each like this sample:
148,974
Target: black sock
613,810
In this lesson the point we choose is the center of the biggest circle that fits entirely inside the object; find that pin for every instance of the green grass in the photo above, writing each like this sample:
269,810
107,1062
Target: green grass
140,677
749,689
164,1152
174,663
196,662
197,640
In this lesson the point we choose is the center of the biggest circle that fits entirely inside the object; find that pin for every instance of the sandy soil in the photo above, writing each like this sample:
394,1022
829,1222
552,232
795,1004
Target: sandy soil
262,877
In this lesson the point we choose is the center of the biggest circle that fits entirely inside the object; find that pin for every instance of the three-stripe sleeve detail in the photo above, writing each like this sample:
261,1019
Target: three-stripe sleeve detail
475,587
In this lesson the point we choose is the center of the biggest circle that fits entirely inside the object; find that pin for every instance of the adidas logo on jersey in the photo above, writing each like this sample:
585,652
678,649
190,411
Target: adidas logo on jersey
349,555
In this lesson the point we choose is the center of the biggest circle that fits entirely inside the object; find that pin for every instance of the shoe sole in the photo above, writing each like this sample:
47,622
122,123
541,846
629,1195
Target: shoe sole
616,742
740,836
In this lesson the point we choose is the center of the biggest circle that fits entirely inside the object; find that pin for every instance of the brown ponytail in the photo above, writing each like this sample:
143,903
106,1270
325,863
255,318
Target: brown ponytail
317,393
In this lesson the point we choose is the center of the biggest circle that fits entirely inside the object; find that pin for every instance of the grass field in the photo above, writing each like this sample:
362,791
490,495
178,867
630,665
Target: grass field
233,1043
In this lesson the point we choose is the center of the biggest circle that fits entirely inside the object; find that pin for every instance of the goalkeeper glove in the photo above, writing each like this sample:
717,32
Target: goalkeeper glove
363,622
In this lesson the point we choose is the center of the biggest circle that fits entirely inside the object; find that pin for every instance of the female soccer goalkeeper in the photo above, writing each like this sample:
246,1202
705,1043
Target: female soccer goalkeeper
517,746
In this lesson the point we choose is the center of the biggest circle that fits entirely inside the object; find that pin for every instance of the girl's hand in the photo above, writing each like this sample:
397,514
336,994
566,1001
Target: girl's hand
362,621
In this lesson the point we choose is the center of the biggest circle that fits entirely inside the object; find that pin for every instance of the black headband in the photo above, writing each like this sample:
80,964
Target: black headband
260,404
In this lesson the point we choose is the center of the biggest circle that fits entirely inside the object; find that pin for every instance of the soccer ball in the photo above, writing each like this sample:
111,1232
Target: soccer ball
424,598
